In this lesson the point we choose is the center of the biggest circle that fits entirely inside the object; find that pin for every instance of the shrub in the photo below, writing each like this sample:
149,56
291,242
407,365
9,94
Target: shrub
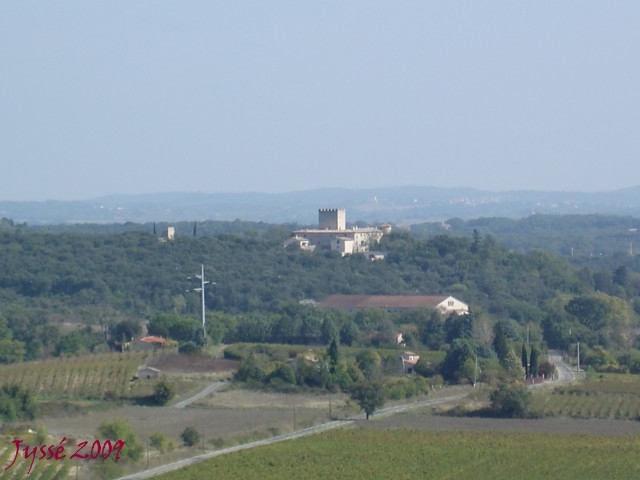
188,348
190,436
159,441
546,369
249,371
283,374
163,392
511,399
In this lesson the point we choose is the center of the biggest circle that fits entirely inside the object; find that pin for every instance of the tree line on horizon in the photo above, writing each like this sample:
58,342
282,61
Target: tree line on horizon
97,282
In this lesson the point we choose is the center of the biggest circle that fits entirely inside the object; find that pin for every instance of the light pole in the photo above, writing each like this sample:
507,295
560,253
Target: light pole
200,289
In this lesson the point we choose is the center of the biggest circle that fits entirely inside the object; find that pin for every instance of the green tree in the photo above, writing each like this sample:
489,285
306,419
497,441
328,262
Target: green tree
458,326
534,362
511,399
431,329
349,333
120,430
190,436
524,357
329,330
250,371
369,363
500,345
369,395
310,375
513,365
188,348
5,331
459,363
283,374
163,392
127,330
17,403
333,355
11,351
590,310
424,368
159,441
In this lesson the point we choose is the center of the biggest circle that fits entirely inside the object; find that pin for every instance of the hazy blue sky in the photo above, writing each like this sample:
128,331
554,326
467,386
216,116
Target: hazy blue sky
275,96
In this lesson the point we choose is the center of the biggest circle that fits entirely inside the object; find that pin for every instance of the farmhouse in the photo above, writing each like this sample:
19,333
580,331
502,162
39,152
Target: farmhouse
147,372
447,305
408,361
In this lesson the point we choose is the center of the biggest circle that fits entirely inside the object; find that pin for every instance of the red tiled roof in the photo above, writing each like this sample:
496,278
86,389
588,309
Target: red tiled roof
382,301
152,339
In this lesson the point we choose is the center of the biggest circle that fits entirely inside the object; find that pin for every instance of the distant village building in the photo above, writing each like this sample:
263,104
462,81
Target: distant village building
301,242
446,304
168,236
332,233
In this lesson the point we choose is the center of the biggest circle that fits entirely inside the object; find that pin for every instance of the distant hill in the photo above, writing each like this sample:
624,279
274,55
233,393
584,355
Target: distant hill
398,205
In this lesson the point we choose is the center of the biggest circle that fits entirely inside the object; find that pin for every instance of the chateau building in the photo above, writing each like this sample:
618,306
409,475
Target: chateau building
332,233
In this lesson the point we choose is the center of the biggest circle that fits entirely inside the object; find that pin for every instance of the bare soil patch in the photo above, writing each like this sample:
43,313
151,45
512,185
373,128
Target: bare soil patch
212,423
241,398
177,363
232,415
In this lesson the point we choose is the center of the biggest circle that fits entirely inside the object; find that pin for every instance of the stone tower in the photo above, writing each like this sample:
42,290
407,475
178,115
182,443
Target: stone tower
332,219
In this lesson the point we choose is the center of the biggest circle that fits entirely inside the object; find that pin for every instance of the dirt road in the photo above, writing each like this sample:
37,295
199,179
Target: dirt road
214,387
151,473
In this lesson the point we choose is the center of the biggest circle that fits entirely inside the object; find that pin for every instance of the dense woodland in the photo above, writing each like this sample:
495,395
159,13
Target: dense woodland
584,239
67,292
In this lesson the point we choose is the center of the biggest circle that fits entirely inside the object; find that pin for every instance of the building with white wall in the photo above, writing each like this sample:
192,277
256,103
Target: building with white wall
332,233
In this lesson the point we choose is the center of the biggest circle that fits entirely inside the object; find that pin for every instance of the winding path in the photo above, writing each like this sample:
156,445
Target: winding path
214,387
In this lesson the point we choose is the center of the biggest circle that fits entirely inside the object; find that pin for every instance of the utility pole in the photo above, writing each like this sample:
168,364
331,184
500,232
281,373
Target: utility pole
251,424
578,357
200,289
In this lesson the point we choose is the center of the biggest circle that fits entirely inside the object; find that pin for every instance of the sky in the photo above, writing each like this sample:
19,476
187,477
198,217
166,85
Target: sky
126,97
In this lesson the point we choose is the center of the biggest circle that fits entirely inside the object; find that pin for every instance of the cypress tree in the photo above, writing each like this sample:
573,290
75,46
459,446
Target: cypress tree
334,356
525,360
500,343
533,369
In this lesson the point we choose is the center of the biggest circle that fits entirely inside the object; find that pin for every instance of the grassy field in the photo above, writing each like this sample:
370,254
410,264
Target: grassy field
607,396
410,454
461,448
